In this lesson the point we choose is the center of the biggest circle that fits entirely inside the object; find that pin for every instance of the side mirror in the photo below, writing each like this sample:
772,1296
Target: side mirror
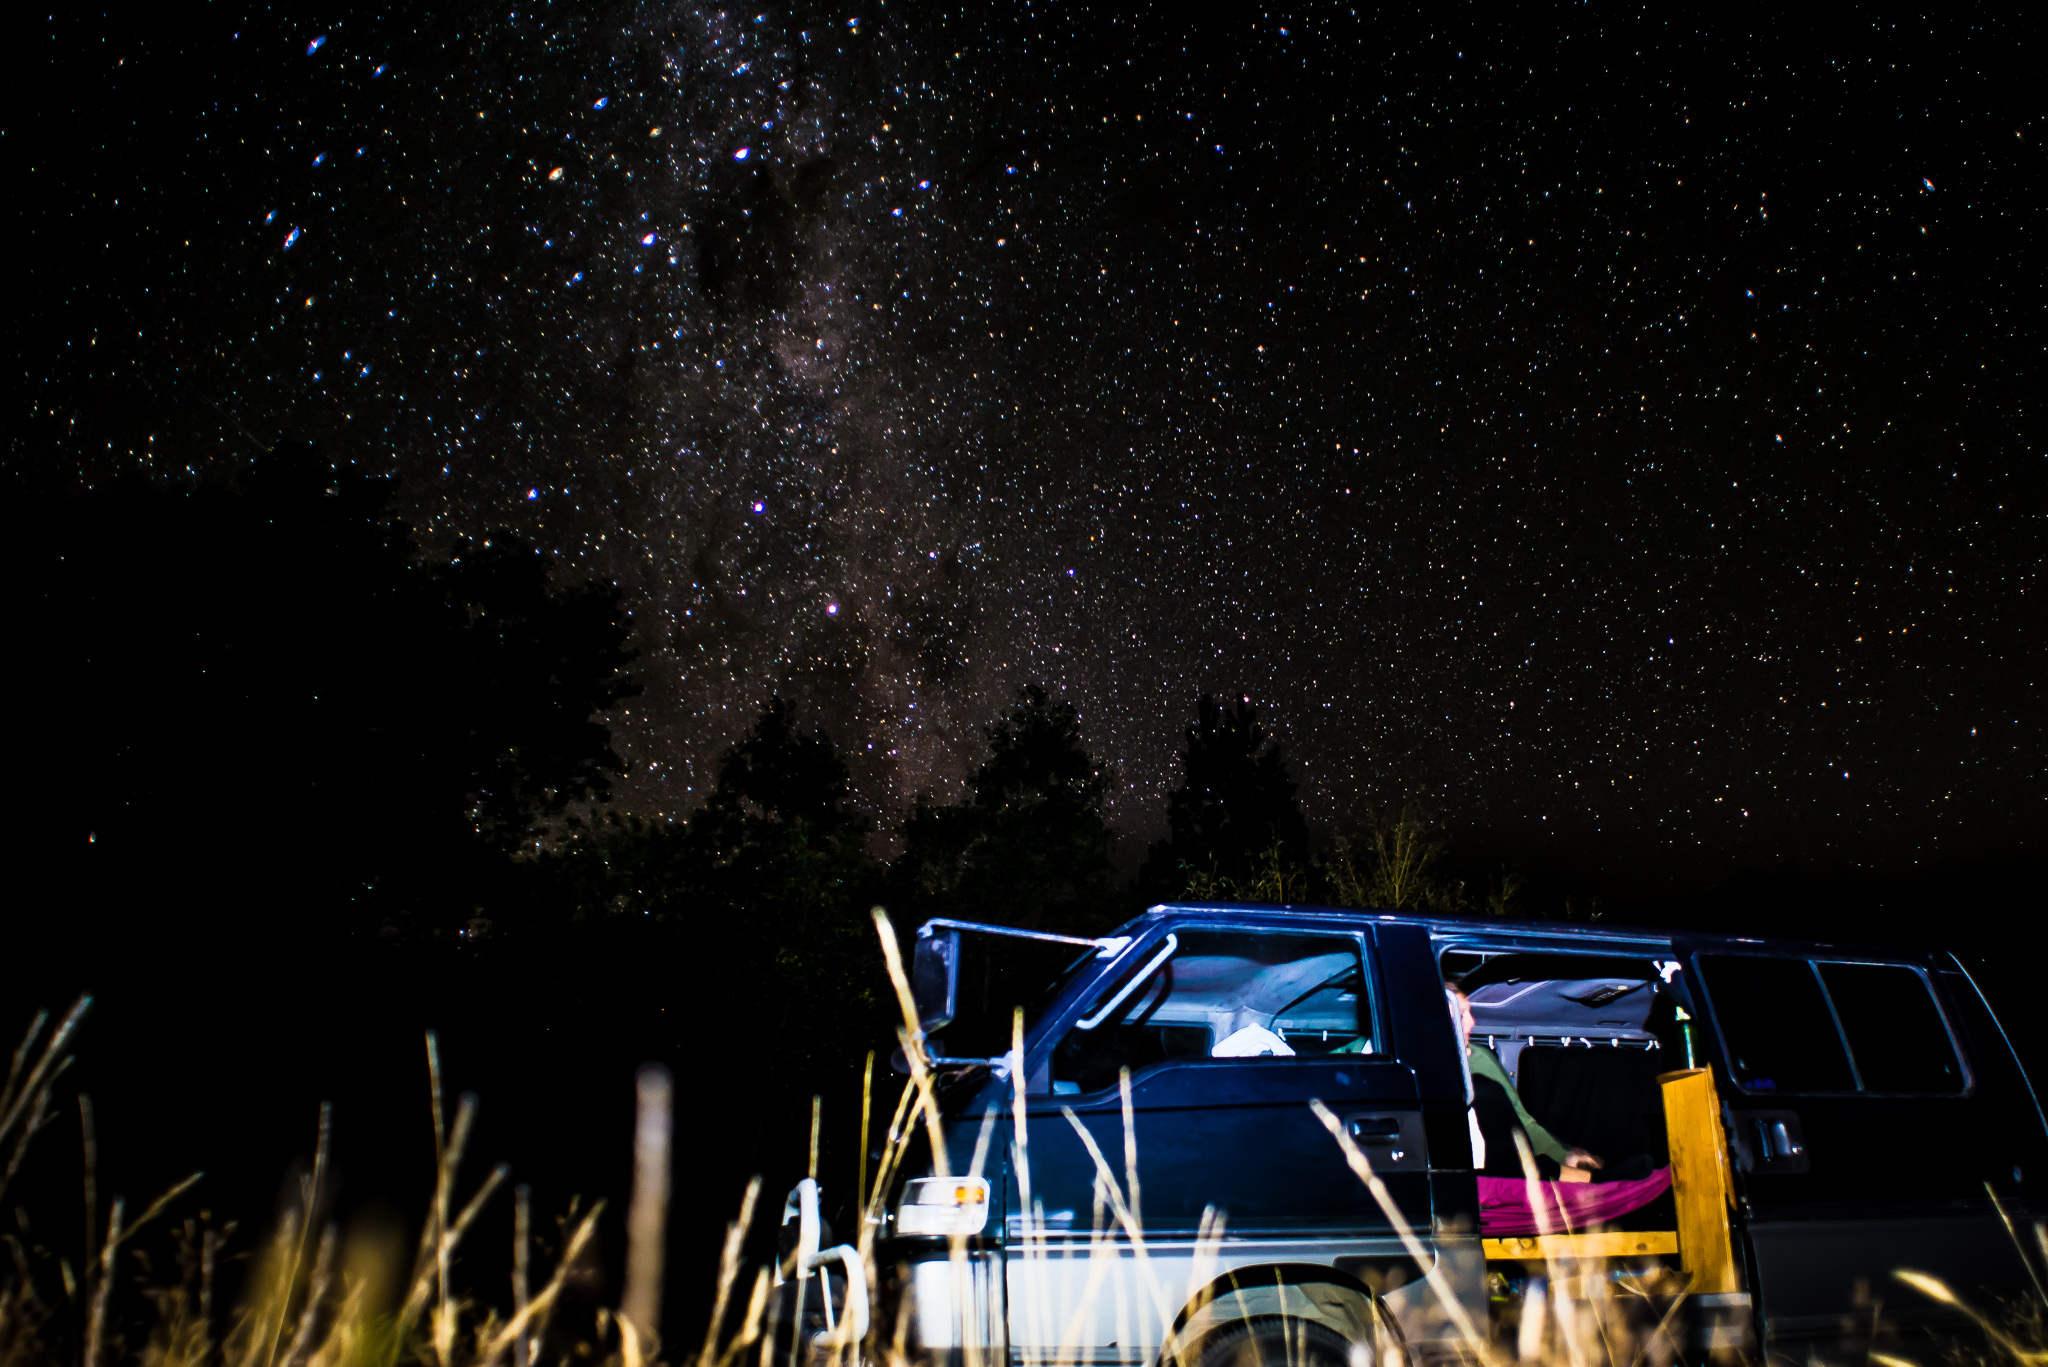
935,977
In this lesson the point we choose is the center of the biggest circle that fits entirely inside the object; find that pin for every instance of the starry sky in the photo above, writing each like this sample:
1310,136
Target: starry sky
1619,425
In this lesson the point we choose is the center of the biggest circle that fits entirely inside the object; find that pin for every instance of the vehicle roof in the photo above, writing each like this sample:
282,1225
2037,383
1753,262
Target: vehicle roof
1532,934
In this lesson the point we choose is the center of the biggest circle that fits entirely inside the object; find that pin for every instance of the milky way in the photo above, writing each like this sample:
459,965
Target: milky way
1620,429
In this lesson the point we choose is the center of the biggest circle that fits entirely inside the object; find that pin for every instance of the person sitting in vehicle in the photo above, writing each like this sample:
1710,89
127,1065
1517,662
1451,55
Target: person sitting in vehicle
1500,1111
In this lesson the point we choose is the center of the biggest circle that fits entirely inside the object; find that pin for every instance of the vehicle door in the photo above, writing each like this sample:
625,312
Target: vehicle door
1863,1134
1226,1034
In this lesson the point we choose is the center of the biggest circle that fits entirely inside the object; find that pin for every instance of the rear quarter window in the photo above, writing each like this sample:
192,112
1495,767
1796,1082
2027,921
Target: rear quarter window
1774,1020
1801,1026
1897,1038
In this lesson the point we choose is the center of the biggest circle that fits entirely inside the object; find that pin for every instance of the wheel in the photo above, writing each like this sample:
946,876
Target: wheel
1277,1341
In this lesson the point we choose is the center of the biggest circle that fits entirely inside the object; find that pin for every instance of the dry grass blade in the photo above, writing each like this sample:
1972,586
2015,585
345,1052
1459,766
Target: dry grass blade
20,1060
477,1202
53,1058
867,1101
2013,1234
316,1296
913,1042
25,1100
100,1270
1430,1266
1929,1286
439,1238
434,1098
538,1307
1936,1289
728,1270
103,1284
429,1263
1105,1180
309,1198
209,1253
522,1247
38,1117
632,1351
956,1244
1020,1162
750,1326
885,1171
647,1215
1123,1082
88,1138
156,1207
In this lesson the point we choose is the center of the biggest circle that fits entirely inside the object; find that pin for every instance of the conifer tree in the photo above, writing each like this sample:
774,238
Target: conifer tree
1235,814
1029,844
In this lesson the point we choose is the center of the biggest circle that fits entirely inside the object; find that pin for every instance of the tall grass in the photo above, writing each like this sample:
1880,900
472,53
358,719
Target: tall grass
316,1297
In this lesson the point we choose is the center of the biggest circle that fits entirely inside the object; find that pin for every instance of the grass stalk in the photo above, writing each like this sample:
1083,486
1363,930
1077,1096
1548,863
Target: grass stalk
316,1295
15,1099
90,1177
1361,1167
728,1271
750,1324
647,1215
536,1309
912,1036
2020,1248
867,1099
522,1249
309,1198
1120,1209
817,1116
102,1282
25,1099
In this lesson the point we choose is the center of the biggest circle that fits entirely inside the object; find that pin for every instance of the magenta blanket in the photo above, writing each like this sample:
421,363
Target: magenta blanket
1504,1209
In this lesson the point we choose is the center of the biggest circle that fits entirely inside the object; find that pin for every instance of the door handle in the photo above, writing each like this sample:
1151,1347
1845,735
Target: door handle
1770,1142
1393,1141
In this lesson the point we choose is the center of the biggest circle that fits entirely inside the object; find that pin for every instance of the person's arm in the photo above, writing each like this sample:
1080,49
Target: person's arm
1542,1141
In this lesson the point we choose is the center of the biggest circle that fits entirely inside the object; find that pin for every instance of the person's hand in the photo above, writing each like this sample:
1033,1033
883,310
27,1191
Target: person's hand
1579,1158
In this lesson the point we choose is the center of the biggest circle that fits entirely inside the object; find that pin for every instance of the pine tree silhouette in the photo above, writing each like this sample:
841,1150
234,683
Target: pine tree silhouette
1029,845
1235,804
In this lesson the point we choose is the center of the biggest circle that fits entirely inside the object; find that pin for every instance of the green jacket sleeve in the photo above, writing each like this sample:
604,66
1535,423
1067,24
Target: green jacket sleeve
1486,1064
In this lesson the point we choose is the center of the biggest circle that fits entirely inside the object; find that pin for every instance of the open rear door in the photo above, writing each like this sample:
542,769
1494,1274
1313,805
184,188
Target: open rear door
1861,1136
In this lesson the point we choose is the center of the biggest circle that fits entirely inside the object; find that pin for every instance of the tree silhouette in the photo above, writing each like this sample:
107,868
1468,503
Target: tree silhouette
535,666
270,709
762,892
1235,815
776,838
1029,845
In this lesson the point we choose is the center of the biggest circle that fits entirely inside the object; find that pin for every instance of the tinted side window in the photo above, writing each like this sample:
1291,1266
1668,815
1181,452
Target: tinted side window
1780,1034
1895,1031
1223,994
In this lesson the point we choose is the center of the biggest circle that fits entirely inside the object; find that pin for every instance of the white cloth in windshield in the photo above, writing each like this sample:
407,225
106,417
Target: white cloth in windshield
1254,1041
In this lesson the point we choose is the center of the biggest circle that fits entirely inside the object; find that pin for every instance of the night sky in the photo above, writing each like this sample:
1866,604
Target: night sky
1621,426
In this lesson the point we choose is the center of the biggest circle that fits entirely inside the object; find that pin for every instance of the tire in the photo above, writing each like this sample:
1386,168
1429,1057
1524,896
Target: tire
1275,1341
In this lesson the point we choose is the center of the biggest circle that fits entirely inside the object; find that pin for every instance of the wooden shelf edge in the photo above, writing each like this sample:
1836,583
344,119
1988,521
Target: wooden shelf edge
1607,1244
